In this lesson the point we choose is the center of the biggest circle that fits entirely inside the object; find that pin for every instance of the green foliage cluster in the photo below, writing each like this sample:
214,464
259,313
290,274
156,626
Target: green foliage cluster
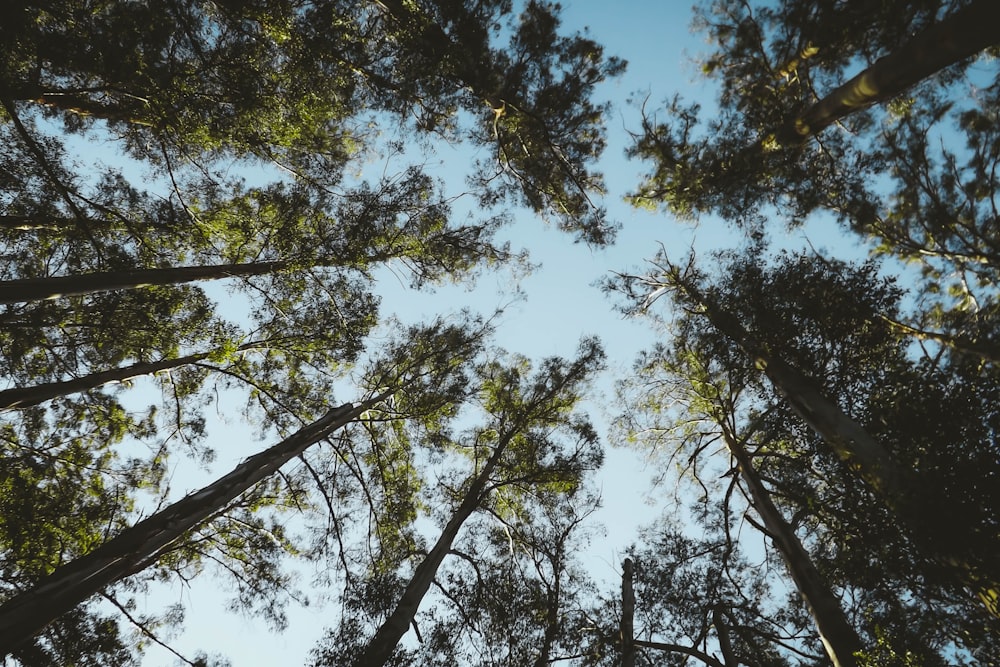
831,428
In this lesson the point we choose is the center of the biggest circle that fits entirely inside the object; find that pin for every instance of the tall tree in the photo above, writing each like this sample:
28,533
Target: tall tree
776,65
826,317
524,413
196,79
139,546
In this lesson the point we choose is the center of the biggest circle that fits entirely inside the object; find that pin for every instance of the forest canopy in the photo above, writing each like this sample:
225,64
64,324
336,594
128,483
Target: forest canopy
205,386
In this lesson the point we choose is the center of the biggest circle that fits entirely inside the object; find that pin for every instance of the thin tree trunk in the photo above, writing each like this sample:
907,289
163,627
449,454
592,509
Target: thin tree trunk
382,645
138,547
551,618
986,351
839,638
27,223
845,436
76,103
627,625
38,289
959,36
26,397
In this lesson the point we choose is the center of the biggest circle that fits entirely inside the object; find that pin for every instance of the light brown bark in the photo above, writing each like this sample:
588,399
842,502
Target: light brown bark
138,547
959,36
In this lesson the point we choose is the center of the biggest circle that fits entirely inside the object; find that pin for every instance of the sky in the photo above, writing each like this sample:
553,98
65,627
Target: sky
562,303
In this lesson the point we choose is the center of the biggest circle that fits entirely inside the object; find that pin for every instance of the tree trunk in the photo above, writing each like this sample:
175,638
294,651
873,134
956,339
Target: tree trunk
26,223
26,397
38,289
627,625
957,37
138,547
845,436
382,645
866,457
839,638
75,103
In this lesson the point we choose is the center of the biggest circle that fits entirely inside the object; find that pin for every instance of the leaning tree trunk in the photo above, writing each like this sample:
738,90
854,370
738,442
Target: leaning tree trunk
845,436
75,103
959,36
26,397
839,638
39,289
138,547
381,646
849,441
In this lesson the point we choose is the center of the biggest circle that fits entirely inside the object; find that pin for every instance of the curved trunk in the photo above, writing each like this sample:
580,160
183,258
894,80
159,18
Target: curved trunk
39,289
136,548
382,645
959,36
839,638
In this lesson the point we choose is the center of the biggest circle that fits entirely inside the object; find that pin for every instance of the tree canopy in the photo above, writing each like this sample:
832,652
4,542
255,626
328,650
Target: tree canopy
202,203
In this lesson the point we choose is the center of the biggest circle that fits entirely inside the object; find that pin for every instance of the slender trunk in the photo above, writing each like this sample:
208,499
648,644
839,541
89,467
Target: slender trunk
26,397
844,435
38,289
382,645
75,102
27,223
551,618
138,547
839,638
725,641
627,625
957,37
986,351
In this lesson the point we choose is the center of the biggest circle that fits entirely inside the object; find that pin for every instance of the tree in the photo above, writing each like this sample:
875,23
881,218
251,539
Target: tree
772,63
694,599
826,316
197,79
139,546
515,453
200,96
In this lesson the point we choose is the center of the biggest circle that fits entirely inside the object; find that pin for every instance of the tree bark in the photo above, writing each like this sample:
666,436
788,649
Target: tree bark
26,397
27,223
382,645
838,636
957,37
39,289
74,102
627,625
138,547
